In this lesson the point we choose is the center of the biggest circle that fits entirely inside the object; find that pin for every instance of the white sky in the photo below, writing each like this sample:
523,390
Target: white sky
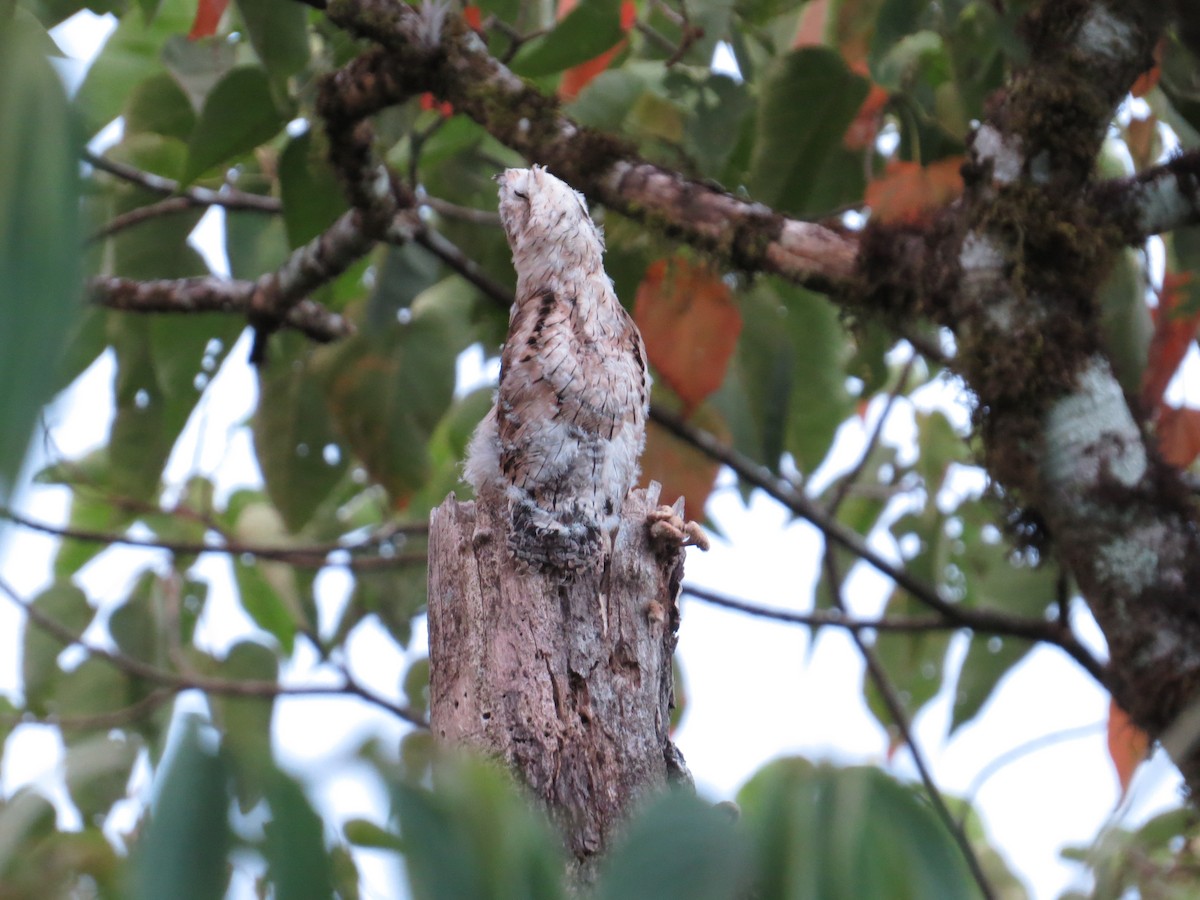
755,689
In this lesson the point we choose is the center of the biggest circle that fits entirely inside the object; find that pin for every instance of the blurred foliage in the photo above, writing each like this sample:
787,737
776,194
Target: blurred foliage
358,440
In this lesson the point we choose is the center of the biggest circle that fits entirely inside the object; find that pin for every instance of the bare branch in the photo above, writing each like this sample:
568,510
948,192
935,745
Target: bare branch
984,620
177,682
1159,199
749,235
228,197
209,294
310,556
895,706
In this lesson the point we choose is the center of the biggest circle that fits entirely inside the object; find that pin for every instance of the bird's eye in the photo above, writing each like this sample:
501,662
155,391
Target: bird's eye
524,196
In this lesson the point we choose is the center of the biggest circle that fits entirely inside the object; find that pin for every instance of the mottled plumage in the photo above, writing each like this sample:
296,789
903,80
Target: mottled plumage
561,444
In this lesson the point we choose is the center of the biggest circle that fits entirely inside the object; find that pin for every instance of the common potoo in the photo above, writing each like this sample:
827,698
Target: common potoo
561,444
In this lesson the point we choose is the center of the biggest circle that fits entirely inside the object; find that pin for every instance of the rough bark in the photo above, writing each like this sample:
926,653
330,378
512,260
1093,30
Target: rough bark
569,682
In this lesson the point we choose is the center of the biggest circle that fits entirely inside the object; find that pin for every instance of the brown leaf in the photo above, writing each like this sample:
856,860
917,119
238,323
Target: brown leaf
909,192
1179,435
1173,333
690,323
1127,744
681,469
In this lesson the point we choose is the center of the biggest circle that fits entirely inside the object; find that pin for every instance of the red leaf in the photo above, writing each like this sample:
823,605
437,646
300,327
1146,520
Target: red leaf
1178,431
1173,334
576,78
1145,82
208,17
473,17
865,127
628,14
691,323
1127,744
908,191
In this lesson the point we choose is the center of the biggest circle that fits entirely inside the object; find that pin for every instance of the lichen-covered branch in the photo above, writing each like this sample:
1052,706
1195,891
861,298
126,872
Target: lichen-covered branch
1057,428
447,58
209,294
1157,200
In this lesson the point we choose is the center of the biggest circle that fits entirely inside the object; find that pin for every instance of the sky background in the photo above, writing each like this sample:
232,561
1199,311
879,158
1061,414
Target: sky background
755,689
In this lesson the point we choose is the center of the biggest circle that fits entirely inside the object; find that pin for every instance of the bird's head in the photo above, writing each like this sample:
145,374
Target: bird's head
543,214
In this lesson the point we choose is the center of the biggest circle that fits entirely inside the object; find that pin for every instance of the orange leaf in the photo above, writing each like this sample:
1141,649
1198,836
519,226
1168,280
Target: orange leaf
681,469
473,16
1145,82
908,191
691,323
1173,335
208,16
1178,431
576,78
1127,744
865,127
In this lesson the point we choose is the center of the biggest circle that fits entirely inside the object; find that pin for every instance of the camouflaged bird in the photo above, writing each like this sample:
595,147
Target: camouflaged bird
561,444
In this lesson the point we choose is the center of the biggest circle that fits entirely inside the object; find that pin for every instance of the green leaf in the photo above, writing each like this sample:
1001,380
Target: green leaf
198,65
822,831
363,833
389,390
297,864
994,579
183,851
97,772
94,687
238,115
255,244
809,99
130,55
475,836
163,366
585,32
298,448
245,722
819,399
159,105
279,32
270,591
67,605
92,510
312,196
677,848
39,240
790,362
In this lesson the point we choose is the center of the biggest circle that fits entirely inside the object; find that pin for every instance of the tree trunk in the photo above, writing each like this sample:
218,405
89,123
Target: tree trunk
568,681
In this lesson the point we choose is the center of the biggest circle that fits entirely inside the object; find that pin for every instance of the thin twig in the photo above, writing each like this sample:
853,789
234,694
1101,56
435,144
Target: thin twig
207,684
462,213
230,198
895,707
873,439
313,556
760,477
451,255
1029,629
117,224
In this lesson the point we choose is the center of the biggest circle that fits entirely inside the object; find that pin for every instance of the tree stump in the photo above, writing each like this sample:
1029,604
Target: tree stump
567,680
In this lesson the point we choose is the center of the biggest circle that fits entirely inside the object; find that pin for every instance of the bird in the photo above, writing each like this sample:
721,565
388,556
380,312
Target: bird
559,448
